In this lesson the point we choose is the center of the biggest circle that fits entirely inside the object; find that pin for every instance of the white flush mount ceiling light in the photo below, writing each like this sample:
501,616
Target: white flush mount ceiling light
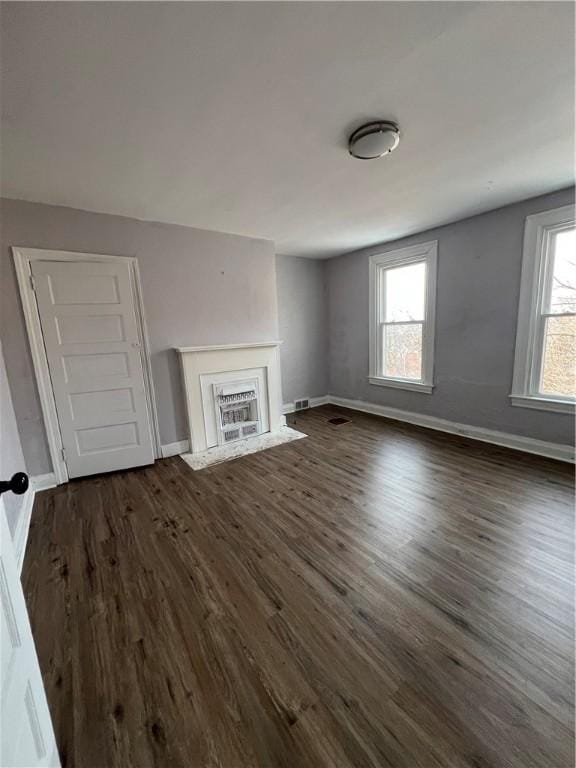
373,140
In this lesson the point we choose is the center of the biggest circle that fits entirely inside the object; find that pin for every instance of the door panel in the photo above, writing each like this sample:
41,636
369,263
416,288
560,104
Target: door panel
83,329
91,338
73,289
107,438
105,365
112,401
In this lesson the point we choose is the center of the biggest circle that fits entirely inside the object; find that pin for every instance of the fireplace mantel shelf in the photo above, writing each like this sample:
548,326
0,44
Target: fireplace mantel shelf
214,348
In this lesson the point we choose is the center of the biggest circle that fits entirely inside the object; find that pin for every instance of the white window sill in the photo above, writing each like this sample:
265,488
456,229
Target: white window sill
543,403
414,386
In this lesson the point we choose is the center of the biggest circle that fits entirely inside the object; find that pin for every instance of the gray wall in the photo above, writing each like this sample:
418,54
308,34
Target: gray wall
11,456
203,287
199,287
302,320
479,266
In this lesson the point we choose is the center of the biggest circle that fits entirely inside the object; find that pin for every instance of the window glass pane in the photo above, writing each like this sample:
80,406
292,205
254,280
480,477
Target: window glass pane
559,361
402,351
563,293
405,293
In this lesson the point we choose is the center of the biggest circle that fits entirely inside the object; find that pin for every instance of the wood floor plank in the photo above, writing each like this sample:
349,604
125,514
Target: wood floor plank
374,595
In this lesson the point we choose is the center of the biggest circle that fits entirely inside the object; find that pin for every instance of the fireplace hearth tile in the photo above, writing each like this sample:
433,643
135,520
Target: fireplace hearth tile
235,450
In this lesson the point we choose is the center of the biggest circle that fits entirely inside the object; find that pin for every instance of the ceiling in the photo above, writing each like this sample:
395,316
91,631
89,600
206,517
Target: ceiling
234,116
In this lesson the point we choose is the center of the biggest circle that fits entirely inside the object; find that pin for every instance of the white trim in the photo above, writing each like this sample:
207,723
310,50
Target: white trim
527,358
21,532
379,262
314,403
22,259
515,442
23,274
416,386
44,482
146,358
217,347
38,483
543,404
175,449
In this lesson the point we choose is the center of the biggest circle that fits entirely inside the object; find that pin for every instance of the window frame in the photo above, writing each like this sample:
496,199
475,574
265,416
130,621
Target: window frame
379,263
537,256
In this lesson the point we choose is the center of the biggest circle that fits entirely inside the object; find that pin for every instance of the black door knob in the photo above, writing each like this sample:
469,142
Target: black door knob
18,483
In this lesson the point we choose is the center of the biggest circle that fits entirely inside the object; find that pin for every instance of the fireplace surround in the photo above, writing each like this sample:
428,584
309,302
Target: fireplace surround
232,392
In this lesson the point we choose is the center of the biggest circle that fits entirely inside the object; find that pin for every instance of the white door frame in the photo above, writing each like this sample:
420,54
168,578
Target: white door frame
22,261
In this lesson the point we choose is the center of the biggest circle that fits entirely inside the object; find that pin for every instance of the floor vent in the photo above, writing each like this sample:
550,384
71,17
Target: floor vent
338,421
301,405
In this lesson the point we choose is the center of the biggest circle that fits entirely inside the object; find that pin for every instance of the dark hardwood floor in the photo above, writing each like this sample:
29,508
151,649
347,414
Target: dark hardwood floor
374,595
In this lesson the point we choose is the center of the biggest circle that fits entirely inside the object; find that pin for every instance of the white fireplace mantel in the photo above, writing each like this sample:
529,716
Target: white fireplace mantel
198,362
214,347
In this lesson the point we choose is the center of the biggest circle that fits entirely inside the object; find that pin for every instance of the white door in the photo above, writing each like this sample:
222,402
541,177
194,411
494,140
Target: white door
26,734
88,319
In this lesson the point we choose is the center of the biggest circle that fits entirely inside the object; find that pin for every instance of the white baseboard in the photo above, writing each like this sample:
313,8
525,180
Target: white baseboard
505,439
174,449
38,483
43,482
314,403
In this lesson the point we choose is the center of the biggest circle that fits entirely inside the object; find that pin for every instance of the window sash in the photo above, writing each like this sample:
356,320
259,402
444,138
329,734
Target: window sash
382,348
383,287
544,299
549,263
537,369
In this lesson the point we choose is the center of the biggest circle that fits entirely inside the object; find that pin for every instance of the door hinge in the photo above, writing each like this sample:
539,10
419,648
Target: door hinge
63,454
32,283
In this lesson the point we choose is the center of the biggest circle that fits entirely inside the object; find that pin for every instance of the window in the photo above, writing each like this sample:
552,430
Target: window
402,302
545,362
